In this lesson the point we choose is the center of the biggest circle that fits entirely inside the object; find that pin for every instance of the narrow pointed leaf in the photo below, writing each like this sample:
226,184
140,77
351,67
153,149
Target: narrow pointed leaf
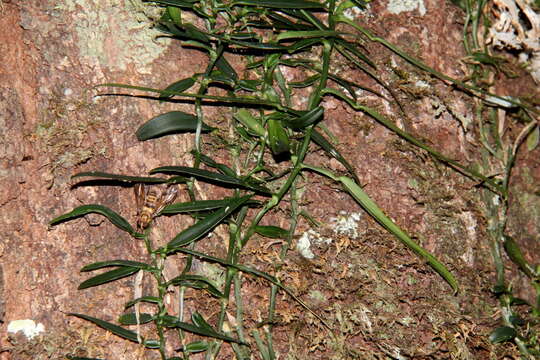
147,299
309,118
178,3
113,217
515,253
332,151
196,282
224,169
273,232
178,86
280,4
199,321
369,205
225,67
193,206
307,34
209,176
127,178
108,277
174,322
131,318
250,122
115,329
169,123
205,225
104,264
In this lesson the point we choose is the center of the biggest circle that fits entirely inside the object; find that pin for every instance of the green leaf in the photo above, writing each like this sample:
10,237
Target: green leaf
309,118
196,282
332,151
169,123
533,138
205,225
502,334
280,4
178,86
174,322
103,175
307,34
196,346
273,232
113,217
193,206
278,139
131,318
224,169
104,264
199,321
147,299
212,177
108,276
250,122
115,329
515,254
225,67
177,3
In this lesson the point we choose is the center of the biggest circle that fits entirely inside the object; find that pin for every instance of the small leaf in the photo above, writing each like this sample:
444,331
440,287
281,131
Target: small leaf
196,282
169,123
307,34
278,138
108,277
173,322
225,67
113,217
280,4
249,121
205,225
103,264
273,232
224,169
147,299
515,254
193,206
502,334
332,151
533,138
199,321
196,346
131,318
178,86
115,329
103,175
309,118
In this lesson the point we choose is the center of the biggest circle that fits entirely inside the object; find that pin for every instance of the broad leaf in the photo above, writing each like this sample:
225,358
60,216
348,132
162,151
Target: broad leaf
169,123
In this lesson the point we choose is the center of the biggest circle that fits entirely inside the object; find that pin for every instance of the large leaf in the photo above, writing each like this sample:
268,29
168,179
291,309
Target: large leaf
205,225
98,175
113,217
108,276
212,177
371,207
169,123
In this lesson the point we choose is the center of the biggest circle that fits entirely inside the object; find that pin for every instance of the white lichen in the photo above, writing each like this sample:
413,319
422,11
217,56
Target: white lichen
346,224
28,327
310,238
399,6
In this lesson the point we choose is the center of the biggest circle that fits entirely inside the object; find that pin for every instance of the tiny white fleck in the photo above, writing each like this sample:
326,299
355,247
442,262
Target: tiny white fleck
27,326
68,92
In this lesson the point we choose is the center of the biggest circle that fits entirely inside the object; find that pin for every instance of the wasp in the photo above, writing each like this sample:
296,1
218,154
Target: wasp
150,201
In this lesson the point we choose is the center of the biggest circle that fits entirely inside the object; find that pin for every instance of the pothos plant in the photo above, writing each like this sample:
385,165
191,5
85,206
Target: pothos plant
272,36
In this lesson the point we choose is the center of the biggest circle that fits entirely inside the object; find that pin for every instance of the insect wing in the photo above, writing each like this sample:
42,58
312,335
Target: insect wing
167,198
140,195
